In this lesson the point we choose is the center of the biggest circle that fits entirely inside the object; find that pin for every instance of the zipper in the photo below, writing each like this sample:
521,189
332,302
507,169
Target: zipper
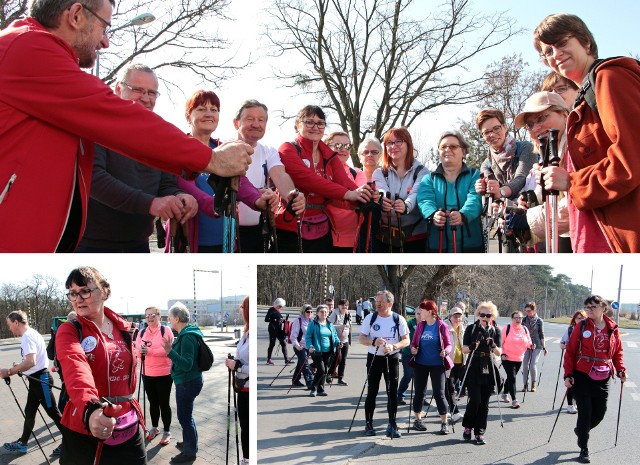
5,191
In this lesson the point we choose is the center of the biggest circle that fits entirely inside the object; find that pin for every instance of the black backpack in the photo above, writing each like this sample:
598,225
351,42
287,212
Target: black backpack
145,328
396,322
205,356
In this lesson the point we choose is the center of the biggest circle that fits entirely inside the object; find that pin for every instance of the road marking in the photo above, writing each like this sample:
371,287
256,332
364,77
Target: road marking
631,344
630,384
635,396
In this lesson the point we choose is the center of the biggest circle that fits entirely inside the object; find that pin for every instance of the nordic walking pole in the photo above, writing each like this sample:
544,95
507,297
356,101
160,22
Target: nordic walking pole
51,385
41,415
285,366
558,415
553,407
544,356
363,386
107,412
235,410
388,195
410,403
618,421
526,383
144,391
229,414
386,384
297,376
495,382
8,381
466,372
400,232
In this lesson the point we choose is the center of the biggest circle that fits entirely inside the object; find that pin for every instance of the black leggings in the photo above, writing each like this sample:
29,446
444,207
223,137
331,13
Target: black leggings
511,369
321,361
457,373
158,389
243,416
422,373
276,335
39,394
343,359
475,415
591,399
80,449
377,366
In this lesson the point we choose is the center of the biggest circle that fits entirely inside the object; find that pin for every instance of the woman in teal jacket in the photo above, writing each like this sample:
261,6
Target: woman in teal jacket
186,376
322,342
447,198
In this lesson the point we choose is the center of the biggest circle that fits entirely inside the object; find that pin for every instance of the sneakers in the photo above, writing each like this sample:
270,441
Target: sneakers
572,409
322,393
56,451
152,433
456,417
16,446
270,362
505,398
243,461
525,388
392,431
533,386
466,434
418,425
368,429
515,404
312,393
444,428
584,455
402,402
182,458
288,362
298,384
166,437
480,440
342,383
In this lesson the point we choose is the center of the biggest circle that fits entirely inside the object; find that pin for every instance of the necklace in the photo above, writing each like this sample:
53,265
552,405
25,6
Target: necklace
109,331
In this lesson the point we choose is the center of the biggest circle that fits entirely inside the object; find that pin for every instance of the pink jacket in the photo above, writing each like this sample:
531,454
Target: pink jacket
156,362
345,221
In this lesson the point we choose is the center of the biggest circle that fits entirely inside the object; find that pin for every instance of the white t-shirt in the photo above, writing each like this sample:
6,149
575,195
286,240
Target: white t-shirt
366,305
263,159
337,320
384,328
32,342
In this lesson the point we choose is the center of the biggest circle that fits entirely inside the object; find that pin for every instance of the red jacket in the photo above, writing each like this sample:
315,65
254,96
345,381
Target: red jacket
51,113
318,190
572,360
604,151
86,369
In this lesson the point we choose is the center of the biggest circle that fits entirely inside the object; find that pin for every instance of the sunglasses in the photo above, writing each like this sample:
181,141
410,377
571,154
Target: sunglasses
308,311
485,315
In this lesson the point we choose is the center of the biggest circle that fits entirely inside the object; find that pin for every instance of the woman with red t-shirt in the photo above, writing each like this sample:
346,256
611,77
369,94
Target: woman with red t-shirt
593,352
96,356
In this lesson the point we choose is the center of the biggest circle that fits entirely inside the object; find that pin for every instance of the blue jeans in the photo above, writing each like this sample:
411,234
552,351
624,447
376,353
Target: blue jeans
407,374
186,394
301,369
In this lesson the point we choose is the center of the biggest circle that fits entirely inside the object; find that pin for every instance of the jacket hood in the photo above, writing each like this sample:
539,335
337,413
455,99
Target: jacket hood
193,329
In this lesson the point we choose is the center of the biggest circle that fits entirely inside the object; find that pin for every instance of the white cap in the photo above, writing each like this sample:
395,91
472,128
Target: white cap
538,102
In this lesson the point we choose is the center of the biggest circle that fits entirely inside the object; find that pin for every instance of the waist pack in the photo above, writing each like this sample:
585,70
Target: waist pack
126,428
600,372
315,227
239,384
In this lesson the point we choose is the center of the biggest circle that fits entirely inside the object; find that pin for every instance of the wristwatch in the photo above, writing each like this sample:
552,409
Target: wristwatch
503,193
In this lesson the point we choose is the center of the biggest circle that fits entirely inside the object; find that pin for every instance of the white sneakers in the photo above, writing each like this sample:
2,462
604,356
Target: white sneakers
572,409
505,398
457,417
166,437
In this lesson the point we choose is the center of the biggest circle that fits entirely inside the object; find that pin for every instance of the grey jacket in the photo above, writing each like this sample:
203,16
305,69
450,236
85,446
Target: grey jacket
526,159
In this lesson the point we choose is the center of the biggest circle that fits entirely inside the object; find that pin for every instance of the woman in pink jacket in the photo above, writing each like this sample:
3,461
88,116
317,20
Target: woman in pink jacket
515,341
156,372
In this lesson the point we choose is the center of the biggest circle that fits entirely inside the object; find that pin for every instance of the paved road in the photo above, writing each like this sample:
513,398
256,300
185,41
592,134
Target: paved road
297,429
210,413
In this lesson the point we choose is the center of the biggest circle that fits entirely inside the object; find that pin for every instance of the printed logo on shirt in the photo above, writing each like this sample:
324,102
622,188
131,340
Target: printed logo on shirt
376,327
426,336
600,340
89,343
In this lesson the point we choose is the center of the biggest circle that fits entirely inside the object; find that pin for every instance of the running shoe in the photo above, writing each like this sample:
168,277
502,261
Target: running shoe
456,417
270,362
466,435
166,437
505,398
369,430
392,431
152,433
515,404
418,425
584,455
342,383
480,440
16,446
572,409
401,402
444,428
298,384
312,393
56,451
322,393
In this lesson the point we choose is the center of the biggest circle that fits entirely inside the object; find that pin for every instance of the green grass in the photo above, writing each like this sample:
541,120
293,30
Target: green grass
624,322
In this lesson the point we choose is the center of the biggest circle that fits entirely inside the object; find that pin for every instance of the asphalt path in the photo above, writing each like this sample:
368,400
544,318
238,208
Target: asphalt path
297,429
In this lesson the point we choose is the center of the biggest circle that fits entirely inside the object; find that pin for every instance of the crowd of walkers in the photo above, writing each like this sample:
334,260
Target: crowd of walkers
570,190
102,357
460,359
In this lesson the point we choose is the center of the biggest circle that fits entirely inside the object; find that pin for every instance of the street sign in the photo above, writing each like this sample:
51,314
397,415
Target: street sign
615,305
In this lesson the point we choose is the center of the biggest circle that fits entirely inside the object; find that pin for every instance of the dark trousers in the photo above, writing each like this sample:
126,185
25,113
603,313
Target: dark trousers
142,248
343,359
417,246
158,389
570,396
377,367
511,369
407,374
321,361
275,334
80,449
422,373
251,240
39,394
302,367
288,243
243,416
457,373
475,415
591,399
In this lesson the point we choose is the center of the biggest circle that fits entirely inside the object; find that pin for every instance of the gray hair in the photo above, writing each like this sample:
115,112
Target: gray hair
279,302
322,306
453,133
124,72
47,12
180,311
388,295
366,141
251,103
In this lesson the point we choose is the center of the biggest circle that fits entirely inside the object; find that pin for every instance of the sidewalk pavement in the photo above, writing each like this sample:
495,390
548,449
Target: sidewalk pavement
210,413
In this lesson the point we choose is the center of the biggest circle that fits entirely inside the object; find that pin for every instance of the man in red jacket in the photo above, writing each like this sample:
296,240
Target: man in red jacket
51,112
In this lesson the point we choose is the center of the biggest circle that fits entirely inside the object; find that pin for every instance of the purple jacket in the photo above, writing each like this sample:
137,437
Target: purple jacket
445,339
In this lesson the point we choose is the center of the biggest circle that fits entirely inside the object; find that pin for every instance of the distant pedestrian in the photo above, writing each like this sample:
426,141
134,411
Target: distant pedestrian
276,329
341,319
359,311
535,325
593,352
385,333
366,307
564,340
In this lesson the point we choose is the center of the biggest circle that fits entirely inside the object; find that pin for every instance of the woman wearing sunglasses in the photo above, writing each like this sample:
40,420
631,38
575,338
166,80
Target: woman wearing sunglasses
481,341
515,341
564,340
593,353
299,342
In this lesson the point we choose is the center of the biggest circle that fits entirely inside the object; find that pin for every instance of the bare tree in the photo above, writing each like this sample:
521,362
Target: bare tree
376,63
10,10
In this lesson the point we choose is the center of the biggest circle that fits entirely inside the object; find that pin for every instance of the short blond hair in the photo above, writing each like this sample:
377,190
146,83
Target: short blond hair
488,305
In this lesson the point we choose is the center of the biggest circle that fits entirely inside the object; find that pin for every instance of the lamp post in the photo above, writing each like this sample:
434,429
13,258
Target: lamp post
140,20
546,290
195,310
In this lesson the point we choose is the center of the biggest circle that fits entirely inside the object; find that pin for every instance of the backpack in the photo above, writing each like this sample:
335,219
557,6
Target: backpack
419,168
145,328
205,356
587,92
299,336
526,330
286,326
396,322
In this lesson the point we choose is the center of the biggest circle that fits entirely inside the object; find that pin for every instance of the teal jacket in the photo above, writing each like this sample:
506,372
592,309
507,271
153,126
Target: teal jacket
184,355
436,192
412,323
313,336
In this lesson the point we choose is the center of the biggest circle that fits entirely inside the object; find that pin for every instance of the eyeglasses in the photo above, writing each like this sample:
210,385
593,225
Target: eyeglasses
341,146
539,120
373,153
517,318
309,124
452,147
153,94
485,315
561,89
457,315
107,24
84,293
547,51
392,143
493,130
591,307
151,315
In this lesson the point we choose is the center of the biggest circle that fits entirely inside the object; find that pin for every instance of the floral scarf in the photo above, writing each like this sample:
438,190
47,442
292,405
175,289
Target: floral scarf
503,163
